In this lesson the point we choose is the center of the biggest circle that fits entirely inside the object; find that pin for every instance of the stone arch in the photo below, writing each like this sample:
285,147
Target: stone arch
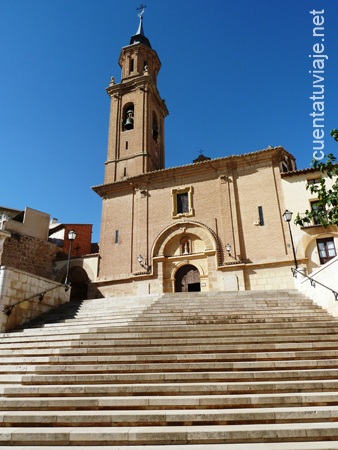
197,230
187,278
80,275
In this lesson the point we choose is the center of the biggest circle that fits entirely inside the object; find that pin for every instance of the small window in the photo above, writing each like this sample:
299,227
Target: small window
313,181
261,215
131,65
182,202
315,208
116,236
155,127
326,249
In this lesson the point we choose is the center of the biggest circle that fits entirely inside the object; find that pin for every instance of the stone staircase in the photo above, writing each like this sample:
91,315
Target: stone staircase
248,370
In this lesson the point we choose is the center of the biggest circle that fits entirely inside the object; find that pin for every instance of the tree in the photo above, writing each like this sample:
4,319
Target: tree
326,208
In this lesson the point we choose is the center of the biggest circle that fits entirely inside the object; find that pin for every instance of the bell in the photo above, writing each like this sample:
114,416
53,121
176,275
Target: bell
129,123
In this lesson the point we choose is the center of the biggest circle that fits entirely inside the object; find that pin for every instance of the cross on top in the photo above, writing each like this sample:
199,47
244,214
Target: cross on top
140,10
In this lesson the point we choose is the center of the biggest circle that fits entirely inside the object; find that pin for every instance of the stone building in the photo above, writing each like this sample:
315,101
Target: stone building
210,225
83,257
27,287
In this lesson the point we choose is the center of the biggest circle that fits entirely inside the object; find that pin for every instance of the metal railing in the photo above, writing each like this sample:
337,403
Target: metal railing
9,308
313,282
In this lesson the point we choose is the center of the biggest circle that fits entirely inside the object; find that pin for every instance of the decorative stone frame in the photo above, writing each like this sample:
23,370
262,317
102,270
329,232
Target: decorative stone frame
174,193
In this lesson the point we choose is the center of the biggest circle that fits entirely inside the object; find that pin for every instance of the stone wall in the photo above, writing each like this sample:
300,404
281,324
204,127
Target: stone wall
17,285
28,254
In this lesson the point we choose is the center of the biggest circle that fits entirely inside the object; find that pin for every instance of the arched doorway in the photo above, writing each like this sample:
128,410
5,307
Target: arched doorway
78,279
187,279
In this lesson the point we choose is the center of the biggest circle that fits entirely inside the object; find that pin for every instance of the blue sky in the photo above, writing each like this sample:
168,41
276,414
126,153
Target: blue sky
235,77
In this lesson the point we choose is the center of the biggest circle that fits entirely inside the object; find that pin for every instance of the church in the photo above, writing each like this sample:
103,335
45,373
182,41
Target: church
212,225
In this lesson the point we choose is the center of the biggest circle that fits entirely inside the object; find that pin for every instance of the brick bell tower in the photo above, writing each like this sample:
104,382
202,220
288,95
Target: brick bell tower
137,112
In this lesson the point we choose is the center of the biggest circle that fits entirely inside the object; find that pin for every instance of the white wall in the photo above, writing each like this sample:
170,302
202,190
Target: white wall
327,275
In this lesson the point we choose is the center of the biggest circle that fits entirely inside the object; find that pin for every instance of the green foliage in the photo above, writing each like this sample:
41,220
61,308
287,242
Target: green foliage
326,209
334,134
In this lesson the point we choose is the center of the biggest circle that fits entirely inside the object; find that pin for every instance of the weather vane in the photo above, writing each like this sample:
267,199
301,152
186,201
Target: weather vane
140,10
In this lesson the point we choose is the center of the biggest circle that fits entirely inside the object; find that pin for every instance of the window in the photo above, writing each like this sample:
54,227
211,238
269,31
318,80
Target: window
313,181
116,236
261,215
155,127
182,202
131,65
326,249
316,210
128,117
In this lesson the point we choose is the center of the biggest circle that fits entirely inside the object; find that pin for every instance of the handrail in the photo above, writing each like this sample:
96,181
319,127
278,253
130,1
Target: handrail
313,282
9,308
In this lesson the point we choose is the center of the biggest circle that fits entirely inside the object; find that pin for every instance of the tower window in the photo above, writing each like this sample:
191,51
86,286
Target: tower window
155,127
116,236
128,117
131,65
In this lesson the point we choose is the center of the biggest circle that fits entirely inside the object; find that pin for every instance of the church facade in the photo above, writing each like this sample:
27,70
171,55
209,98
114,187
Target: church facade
207,226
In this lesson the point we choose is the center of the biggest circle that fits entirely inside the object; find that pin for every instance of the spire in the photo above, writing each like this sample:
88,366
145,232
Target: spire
139,37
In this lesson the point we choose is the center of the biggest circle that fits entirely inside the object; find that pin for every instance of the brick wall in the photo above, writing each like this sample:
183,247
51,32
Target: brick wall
82,243
29,254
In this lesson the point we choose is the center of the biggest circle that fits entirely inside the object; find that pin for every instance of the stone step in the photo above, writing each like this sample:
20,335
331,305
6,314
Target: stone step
133,347
138,331
240,387
195,370
192,345
171,417
319,445
137,367
199,434
170,357
167,377
168,402
274,315
177,338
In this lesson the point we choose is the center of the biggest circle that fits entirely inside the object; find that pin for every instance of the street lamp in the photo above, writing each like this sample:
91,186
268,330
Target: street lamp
143,263
71,237
228,249
287,216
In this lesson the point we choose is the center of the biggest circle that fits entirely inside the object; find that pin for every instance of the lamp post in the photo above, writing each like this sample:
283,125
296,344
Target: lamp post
71,237
228,249
287,216
143,263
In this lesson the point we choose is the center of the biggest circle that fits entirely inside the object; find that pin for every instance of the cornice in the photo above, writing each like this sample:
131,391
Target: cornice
143,83
218,166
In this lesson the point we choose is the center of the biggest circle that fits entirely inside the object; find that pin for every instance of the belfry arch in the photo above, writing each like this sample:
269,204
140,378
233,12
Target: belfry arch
185,244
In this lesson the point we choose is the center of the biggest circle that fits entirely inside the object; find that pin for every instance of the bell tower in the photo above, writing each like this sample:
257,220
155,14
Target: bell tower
137,112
